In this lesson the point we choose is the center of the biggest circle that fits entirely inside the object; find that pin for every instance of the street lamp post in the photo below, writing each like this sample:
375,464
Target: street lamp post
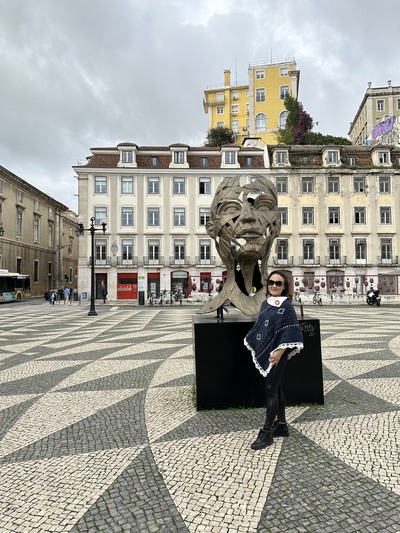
92,230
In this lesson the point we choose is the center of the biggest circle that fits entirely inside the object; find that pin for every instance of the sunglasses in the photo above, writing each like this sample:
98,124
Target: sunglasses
276,282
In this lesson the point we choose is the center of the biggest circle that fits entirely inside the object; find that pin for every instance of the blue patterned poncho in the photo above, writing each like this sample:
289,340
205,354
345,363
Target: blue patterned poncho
276,327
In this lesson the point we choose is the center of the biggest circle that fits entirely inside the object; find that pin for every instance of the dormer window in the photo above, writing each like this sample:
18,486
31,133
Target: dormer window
281,158
383,158
153,161
351,161
331,157
127,156
179,158
229,158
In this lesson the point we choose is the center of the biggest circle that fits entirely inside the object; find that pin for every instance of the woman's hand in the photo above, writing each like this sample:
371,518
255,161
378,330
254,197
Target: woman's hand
275,356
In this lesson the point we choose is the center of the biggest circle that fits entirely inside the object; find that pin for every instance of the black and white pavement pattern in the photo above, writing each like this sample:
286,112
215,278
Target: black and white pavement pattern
99,431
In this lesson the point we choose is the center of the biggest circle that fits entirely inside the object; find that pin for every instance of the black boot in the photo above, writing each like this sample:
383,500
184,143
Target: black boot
280,429
263,440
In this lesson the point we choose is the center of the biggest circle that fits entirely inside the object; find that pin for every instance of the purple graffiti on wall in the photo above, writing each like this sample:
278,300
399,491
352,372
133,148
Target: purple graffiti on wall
383,127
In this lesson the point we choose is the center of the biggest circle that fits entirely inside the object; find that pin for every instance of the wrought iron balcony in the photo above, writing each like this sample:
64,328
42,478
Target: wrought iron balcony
150,261
200,261
106,261
185,261
123,261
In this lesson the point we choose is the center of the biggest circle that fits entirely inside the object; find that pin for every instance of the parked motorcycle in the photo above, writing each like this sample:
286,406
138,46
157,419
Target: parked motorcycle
373,297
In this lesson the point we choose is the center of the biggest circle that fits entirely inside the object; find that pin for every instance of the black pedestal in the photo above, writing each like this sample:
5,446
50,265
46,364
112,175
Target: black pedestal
225,373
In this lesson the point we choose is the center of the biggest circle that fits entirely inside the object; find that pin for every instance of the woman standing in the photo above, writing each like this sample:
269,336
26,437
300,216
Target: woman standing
275,337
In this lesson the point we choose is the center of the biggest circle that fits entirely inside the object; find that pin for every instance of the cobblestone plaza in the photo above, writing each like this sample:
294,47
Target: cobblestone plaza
99,432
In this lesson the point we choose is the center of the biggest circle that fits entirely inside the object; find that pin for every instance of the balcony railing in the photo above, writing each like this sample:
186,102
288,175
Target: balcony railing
303,261
121,261
185,261
341,261
283,262
202,261
394,261
100,262
148,261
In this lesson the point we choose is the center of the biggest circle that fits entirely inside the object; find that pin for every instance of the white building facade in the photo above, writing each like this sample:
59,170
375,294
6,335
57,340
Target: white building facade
338,207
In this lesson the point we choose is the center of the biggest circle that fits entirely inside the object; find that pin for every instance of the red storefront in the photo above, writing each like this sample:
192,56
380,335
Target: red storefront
127,286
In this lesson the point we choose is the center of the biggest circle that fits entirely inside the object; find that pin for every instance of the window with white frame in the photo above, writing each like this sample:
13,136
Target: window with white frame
179,157
249,161
261,122
384,185
260,74
359,184
220,97
334,215
307,185
50,234
101,250
307,215
284,71
100,214
282,248
260,95
204,162
36,229
284,92
283,215
51,213
126,216
361,249
383,158
386,249
153,185
351,161
36,206
220,124
179,216
179,185
234,109
204,185
235,95
100,184
380,105
385,213
359,215
154,249
398,104
127,156
334,249
308,250
282,185
127,250
204,215
282,119
304,160
235,126
19,222
127,184
333,157
333,184
20,197
230,158
153,216
220,110
179,250
205,250
154,161
281,157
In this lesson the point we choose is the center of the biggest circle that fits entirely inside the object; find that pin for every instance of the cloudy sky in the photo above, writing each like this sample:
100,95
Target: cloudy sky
75,74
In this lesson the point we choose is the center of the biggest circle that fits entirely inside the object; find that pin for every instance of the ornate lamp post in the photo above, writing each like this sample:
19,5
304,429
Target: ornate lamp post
92,230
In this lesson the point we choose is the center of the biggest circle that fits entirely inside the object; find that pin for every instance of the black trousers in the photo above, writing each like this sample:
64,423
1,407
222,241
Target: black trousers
275,397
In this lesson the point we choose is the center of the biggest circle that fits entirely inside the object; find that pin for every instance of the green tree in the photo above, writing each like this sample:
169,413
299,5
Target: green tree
219,136
318,138
298,123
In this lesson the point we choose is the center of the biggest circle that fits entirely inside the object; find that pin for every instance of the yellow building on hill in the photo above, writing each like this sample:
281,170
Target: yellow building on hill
254,108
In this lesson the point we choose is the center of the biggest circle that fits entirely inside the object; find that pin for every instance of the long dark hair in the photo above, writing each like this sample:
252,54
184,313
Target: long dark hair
286,290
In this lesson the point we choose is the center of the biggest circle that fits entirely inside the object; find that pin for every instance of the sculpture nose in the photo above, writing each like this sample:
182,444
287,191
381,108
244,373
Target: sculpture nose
247,213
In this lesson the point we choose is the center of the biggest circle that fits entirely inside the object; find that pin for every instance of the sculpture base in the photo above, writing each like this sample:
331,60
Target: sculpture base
225,373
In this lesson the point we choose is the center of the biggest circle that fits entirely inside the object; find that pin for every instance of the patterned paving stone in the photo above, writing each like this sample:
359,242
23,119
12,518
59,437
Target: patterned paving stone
99,431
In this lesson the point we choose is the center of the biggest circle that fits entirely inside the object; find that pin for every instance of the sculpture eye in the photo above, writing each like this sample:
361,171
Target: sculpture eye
229,208
263,203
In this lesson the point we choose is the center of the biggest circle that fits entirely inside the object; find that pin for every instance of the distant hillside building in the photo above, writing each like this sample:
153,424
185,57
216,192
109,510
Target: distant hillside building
339,209
255,107
377,120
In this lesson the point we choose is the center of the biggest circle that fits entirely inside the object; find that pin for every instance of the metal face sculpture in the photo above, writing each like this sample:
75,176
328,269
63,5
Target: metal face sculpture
244,222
